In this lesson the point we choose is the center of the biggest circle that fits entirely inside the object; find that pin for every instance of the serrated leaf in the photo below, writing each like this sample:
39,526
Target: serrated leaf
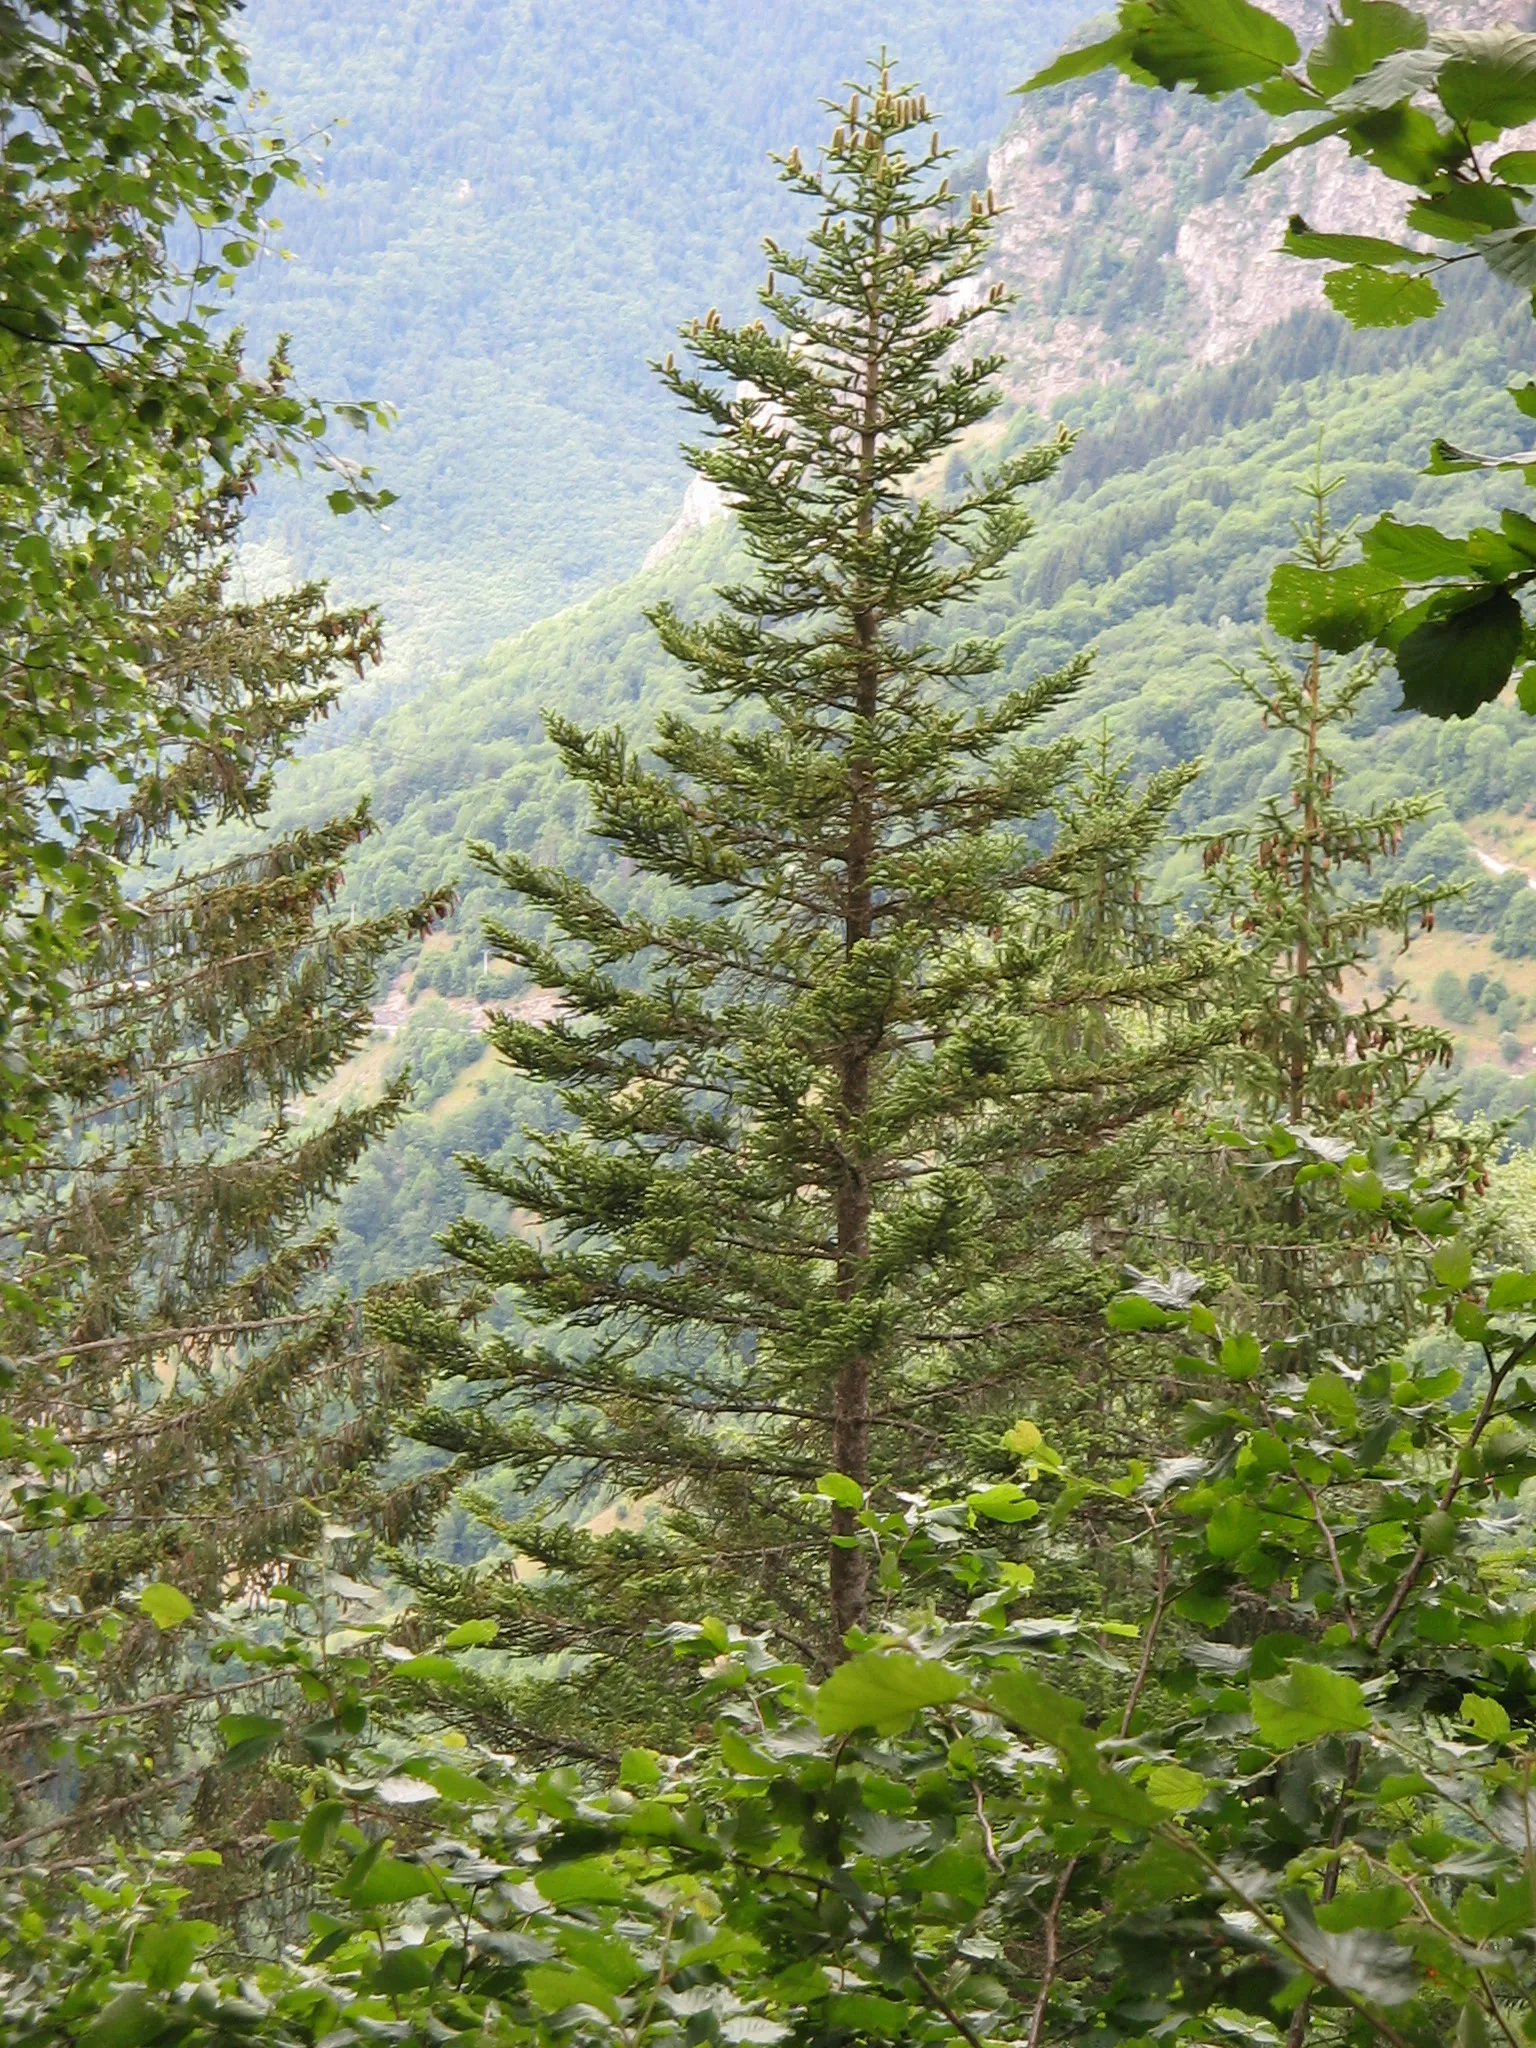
1452,1263
1368,297
1394,78
403,1791
1240,1355
554,1986
1486,1718
1233,1528
1310,1701
1511,1290
1173,1789
1033,1705
1214,45
387,1881
587,1881
166,1606
321,1825
1451,666
1489,76
1023,1439
164,1953
883,1689
1340,609
431,1669
1301,240
1377,1906
1374,29
1417,554
126,2022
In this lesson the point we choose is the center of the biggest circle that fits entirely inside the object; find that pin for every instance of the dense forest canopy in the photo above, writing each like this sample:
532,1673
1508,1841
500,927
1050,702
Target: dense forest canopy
799,1309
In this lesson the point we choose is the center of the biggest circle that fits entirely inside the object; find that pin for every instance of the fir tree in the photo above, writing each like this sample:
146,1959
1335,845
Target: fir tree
1324,1070
821,1202
164,1313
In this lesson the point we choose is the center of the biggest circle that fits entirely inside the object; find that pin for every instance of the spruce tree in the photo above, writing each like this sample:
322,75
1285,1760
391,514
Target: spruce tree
164,1314
821,1203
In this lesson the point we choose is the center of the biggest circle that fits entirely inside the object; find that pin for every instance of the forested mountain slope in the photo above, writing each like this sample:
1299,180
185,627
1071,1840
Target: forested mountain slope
523,202
1199,369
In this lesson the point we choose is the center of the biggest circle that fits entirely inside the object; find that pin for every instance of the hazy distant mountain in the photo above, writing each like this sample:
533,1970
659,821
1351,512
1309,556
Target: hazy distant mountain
526,200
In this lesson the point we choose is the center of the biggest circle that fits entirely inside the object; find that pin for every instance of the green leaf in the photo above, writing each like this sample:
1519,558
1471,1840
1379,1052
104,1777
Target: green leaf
1516,167
1135,1312
1510,1290
1213,45
1486,1718
1339,608
1418,554
1490,77
1330,1394
554,1986
1033,1705
1488,1917
842,1491
1373,29
1173,1789
431,1669
1368,297
1300,240
638,1767
129,2020
1379,1906
1023,1439
1240,1355
1115,50
1005,1502
470,1635
863,2012
164,1953
248,1738
1452,1263
1451,666
1310,1701
1266,160
603,1954
883,1689
1234,1528
402,1969
165,1606
388,1881
321,1825
589,1881
955,1871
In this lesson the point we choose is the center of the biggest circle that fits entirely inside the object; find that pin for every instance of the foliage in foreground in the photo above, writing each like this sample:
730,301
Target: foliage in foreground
1280,1784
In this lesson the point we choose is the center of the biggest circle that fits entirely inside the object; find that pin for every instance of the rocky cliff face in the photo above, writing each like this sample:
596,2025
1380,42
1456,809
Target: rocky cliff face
1132,229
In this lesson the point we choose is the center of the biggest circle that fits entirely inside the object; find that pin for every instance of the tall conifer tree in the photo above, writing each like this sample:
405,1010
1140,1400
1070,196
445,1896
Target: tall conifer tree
164,1313
1324,1070
820,1205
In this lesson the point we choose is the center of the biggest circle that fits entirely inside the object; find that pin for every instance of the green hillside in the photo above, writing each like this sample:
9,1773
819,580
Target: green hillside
1154,548
524,201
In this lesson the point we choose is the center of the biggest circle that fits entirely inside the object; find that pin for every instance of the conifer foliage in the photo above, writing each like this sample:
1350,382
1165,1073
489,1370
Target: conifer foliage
1331,1079
818,1206
162,1315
